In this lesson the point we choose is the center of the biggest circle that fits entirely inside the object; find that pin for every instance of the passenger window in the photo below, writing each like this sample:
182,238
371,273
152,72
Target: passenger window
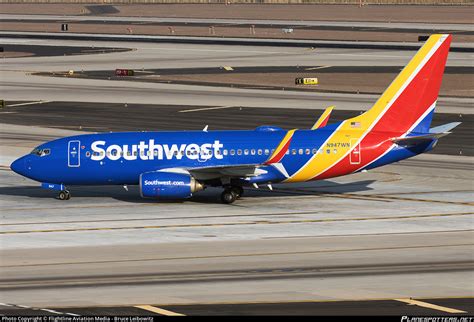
252,151
315,151
239,152
246,152
300,151
267,152
293,151
232,152
225,152
308,151
328,151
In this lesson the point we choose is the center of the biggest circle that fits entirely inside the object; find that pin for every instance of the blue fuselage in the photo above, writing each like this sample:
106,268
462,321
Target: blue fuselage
120,158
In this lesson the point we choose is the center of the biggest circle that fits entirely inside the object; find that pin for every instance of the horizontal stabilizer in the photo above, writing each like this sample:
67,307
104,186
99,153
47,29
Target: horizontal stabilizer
414,140
445,128
435,133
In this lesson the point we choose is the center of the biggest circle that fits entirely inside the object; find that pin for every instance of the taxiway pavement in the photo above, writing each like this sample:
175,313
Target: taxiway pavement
401,231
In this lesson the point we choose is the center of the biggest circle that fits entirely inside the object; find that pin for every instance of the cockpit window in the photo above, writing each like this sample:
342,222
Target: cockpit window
36,151
41,152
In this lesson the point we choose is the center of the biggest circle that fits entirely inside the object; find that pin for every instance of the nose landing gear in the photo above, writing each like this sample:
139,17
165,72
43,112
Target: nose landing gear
64,195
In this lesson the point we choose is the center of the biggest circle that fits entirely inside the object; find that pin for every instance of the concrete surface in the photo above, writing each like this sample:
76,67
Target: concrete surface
16,75
368,13
401,231
219,21
411,230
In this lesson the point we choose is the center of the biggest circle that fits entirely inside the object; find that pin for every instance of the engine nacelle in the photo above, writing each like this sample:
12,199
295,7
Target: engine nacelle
168,185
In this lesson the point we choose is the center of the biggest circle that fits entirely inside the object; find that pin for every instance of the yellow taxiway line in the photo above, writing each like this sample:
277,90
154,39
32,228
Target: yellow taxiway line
158,310
430,306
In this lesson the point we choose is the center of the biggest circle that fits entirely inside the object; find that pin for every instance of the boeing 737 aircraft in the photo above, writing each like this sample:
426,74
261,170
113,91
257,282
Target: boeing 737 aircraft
174,165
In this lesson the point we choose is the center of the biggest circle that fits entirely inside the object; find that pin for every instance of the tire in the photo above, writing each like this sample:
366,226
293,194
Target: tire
62,195
228,196
68,195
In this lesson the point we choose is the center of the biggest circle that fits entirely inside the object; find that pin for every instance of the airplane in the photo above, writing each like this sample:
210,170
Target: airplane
175,165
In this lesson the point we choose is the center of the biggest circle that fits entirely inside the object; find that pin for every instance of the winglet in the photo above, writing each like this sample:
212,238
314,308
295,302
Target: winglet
323,119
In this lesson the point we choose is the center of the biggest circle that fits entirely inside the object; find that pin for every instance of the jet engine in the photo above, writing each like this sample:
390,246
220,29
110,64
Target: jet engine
168,185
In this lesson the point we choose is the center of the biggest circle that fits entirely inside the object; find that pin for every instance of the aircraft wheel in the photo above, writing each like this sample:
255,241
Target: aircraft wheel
228,196
64,195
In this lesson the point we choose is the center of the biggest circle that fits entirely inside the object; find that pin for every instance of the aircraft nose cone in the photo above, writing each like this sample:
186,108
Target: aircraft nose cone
18,166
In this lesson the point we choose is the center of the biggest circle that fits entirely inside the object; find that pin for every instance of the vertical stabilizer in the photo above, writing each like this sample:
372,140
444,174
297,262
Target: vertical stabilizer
411,98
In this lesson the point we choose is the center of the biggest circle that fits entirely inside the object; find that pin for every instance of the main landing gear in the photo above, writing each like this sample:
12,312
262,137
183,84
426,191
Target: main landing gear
64,195
231,194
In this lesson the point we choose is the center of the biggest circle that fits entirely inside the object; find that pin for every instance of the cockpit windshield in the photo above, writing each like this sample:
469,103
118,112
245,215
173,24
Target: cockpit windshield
41,152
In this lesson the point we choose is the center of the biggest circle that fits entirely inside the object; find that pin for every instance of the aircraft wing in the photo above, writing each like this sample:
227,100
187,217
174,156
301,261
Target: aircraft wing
241,170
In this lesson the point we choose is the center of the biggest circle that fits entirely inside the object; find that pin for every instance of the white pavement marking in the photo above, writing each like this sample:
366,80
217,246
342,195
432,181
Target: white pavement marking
320,67
28,103
206,109
430,306
34,308
158,310
51,311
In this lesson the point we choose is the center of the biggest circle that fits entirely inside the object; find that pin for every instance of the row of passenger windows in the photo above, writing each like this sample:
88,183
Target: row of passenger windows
228,152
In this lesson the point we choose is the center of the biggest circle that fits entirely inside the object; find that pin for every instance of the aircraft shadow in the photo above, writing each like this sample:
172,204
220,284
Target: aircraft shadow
210,195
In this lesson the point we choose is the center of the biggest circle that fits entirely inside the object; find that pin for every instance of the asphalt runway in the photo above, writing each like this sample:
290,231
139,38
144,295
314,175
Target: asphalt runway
284,69
409,237
94,117
20,83
432,27
402,307
43,50
307,25
333,79
398,232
